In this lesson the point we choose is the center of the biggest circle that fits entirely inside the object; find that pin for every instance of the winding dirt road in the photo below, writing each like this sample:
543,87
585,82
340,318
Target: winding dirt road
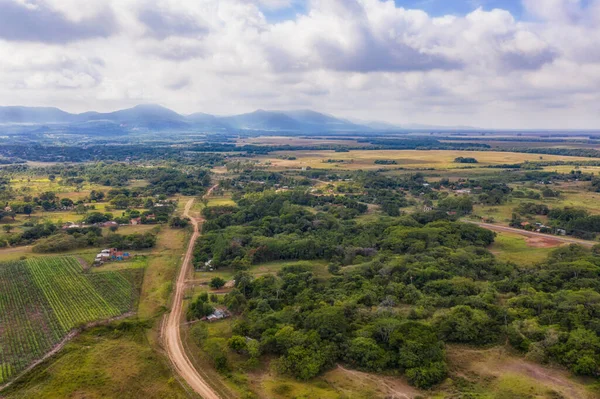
506,229
172,327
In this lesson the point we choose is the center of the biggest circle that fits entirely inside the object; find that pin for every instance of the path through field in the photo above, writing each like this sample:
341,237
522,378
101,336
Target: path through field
506,229
172,328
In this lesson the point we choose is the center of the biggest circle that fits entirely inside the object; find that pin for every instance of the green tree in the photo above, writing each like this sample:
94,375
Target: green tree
217,283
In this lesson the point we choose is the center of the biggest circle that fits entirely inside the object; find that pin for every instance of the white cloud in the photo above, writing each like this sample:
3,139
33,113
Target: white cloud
356,58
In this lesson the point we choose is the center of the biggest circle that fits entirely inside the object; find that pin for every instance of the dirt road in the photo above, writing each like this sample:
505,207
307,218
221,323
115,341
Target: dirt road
506,229
171,329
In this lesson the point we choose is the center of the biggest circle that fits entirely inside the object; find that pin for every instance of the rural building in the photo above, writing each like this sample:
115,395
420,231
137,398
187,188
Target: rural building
135,221
112,254
218,314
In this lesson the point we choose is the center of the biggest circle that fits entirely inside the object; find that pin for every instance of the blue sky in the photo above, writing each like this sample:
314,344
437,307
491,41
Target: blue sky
432,7
460,7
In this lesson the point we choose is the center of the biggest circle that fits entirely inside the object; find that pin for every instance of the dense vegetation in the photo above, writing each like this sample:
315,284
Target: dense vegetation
401,289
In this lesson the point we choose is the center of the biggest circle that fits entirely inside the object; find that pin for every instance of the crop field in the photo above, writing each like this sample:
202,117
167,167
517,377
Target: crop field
415,159
42,299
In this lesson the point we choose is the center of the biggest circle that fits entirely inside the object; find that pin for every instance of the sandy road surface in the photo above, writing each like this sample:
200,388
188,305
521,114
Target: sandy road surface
506,229
171,328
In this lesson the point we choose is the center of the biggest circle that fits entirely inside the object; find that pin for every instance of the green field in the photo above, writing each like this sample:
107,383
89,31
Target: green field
42,299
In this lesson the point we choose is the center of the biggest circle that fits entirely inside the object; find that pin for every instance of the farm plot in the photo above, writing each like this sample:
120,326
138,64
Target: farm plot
42,299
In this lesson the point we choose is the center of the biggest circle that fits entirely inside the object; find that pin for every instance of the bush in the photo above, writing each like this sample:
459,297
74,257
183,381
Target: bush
216,349
237,344
217,283
427,376
179,223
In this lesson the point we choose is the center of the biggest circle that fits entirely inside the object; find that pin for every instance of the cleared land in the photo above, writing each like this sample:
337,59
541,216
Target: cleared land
411,159
550,240
42,299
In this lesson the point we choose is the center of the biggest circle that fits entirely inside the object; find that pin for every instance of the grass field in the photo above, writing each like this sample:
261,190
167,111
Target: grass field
518,249
42,299
410,159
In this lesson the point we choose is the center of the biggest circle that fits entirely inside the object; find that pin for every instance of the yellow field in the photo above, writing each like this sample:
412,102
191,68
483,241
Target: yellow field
297,141
415,159
568,168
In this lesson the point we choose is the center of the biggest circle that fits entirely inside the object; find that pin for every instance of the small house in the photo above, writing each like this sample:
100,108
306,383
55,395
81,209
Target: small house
135,221
218,314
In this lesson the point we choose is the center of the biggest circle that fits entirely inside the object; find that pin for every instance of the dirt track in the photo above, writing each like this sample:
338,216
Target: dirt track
567,240
171,329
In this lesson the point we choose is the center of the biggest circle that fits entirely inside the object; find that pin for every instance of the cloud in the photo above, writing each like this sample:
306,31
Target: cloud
36,21
162,23
368,59
178,83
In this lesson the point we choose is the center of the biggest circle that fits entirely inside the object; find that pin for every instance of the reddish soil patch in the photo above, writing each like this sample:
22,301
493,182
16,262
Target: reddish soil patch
390,387
543,242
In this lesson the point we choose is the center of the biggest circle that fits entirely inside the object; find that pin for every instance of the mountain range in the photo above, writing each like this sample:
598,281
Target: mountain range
156,117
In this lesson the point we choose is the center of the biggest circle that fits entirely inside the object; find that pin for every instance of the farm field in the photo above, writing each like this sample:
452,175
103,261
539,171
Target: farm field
42,299
413,159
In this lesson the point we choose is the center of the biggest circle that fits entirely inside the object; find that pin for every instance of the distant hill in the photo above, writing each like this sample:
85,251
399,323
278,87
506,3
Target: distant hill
156,117
27,115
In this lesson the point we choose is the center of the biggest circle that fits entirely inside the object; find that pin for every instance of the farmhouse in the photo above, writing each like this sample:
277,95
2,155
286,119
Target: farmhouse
218,314
111,254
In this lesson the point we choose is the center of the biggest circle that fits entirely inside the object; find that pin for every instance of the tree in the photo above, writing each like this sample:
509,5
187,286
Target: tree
199,309
7,228
237,343
66,202
465,325
217,283
27,209
366,354
177,222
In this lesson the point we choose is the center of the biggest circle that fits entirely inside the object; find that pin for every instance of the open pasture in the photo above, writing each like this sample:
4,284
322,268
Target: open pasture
42,299
408,159
526,251
299,141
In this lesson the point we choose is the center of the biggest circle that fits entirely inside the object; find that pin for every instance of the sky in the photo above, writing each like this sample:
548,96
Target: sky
519,64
